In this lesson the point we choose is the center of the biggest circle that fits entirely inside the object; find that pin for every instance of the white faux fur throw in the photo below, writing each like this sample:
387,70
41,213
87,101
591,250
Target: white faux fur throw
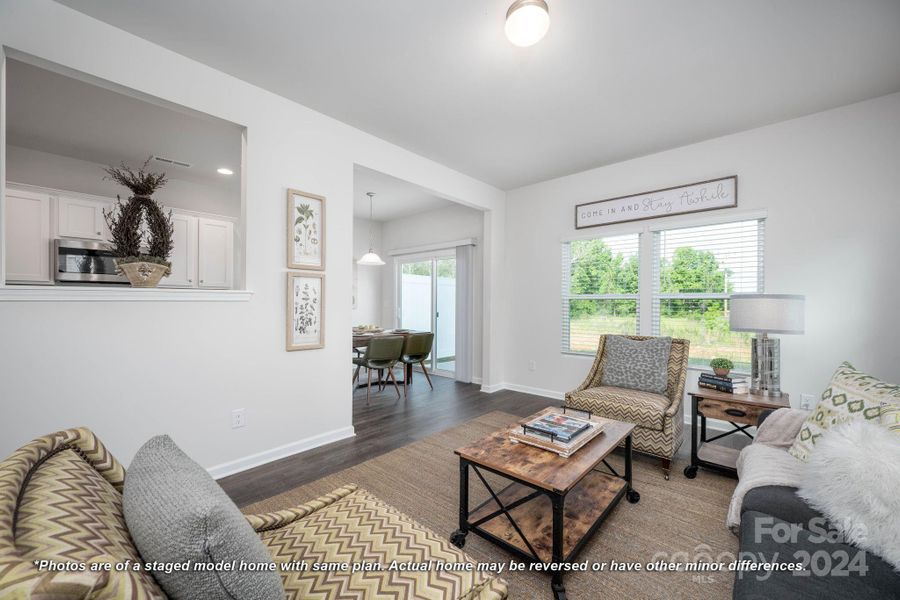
853,478
766,461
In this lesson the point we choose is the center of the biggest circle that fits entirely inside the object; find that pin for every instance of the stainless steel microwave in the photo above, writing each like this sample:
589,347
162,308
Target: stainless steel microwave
84,261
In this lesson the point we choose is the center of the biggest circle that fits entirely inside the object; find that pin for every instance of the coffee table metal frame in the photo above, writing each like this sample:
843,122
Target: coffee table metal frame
557,500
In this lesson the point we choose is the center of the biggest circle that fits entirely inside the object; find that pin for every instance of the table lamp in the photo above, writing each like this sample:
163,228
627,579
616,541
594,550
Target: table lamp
764,314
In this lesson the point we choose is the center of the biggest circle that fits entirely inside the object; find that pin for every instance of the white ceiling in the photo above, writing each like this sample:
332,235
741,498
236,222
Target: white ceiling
61,115
612,80
394,198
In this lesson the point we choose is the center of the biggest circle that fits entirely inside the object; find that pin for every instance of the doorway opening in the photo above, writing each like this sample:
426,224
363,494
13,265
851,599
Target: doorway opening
426,294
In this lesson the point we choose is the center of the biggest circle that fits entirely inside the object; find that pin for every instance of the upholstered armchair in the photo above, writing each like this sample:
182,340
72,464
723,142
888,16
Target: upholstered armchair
659,418
61,500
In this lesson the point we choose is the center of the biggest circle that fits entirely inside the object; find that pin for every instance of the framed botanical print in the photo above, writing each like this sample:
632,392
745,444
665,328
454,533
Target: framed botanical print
305,231
305,311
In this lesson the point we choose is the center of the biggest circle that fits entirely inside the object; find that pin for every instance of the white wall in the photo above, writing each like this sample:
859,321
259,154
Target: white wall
831,188
24,165
368,309
433,227
131,370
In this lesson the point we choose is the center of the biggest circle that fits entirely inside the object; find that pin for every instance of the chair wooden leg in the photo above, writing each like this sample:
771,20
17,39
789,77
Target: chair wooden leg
405,382
427,376
356,374
666,465
368,384
394,380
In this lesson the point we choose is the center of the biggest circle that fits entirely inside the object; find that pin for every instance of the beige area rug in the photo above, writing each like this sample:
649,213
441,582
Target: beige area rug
680,520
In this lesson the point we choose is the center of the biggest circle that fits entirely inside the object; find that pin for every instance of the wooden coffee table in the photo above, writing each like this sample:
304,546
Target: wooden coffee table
552,505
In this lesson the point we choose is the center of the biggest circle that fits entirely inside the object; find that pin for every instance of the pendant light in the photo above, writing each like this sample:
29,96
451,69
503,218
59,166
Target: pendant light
370,258
527,22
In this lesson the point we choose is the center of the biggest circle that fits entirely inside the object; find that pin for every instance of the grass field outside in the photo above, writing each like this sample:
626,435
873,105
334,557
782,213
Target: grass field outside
706,342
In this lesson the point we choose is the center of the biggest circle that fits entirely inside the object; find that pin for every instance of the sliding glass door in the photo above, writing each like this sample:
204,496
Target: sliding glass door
427,302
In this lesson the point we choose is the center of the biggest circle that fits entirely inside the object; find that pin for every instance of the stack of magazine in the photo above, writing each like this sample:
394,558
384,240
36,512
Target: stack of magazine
730,385
556,431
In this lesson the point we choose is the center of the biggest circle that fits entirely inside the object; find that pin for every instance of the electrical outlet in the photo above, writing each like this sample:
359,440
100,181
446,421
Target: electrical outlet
532,366
806,401
238,418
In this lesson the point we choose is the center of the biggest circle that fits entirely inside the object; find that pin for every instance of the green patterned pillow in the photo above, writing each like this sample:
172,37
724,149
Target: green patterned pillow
890,416
851,395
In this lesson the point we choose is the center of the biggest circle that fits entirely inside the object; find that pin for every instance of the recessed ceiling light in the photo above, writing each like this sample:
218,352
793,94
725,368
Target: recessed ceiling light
224,171
527,22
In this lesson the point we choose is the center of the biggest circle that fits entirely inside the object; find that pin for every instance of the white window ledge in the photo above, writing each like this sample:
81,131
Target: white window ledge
52,293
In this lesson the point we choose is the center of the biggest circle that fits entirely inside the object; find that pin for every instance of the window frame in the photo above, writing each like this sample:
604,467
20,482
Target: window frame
647,305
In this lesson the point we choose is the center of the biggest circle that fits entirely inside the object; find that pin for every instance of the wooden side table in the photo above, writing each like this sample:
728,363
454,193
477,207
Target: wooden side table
741,410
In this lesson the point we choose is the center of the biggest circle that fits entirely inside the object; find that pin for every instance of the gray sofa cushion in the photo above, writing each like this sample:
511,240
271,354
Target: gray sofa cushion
781,502
176,513
637,364
831,576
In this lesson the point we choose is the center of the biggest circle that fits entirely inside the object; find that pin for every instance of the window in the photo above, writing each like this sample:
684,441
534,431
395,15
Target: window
695,270
600,290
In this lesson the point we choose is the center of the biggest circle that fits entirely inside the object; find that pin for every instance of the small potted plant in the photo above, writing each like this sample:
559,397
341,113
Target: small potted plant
721,366
128,243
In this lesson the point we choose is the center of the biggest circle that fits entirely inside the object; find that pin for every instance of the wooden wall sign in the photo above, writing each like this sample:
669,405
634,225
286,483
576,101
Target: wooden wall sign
693,197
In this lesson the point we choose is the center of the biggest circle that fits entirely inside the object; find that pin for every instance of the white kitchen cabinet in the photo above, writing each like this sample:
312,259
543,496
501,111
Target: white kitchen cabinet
184,252
79,218
27,237
215,252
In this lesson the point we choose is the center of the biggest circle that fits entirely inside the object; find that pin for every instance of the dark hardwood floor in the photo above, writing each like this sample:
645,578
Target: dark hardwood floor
385,425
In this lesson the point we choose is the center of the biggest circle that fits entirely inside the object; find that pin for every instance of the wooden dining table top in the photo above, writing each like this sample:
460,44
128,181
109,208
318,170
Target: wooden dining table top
362,339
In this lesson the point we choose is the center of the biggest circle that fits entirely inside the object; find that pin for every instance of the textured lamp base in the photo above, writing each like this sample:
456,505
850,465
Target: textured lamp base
765,374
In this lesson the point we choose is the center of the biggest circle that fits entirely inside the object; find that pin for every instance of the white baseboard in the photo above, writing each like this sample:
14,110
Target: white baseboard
476,380
494,387
267,456
527,389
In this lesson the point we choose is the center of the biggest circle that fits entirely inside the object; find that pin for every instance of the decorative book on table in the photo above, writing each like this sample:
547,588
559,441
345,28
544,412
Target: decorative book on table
554,430
731,385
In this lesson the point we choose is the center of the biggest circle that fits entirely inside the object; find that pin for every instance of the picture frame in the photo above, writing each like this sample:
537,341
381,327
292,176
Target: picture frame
700,196
305,231
305,318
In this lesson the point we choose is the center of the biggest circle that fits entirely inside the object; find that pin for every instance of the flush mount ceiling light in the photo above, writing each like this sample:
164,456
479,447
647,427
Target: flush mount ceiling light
527,22
224,171
370,258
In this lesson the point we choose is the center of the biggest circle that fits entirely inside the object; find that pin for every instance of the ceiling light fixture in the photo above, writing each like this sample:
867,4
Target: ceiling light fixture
370,258
527,22
224,171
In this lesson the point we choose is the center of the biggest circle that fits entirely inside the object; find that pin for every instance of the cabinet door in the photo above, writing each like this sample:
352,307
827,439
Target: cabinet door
27,237
216,253
184,253
81,218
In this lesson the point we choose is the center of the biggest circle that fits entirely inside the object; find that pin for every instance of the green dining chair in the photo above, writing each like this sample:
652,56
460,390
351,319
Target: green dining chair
383,352
416,349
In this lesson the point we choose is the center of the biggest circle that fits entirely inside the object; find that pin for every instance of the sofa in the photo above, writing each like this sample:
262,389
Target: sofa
61,500
777,525
658,418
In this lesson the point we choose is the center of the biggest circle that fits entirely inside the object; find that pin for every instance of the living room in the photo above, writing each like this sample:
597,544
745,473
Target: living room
686,182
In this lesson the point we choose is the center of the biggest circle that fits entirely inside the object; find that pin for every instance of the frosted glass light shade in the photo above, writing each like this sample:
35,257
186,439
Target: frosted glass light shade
371,259
527,22
767,313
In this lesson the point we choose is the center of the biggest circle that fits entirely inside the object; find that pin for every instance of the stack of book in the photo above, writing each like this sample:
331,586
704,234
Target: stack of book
730,385
553,430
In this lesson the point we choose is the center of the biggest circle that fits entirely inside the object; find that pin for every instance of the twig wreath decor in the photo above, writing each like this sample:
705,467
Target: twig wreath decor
127,241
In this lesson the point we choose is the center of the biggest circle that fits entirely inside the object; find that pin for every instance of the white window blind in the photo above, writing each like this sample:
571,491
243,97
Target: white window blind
695,270
600,286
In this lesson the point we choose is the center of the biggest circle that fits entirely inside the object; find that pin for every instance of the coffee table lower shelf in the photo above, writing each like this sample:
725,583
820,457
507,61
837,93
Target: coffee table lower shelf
586,508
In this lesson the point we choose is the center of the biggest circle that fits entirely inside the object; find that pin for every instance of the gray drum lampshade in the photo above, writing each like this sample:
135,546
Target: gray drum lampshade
768,313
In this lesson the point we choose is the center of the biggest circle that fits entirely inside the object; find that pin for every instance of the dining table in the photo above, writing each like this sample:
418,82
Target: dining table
361,340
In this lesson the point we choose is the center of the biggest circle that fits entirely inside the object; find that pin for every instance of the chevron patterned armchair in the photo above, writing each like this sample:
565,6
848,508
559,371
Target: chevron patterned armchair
659,418
61,500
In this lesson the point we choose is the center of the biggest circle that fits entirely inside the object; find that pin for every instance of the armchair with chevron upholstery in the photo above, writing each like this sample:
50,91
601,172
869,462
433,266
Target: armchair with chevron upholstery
659,418
61,500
